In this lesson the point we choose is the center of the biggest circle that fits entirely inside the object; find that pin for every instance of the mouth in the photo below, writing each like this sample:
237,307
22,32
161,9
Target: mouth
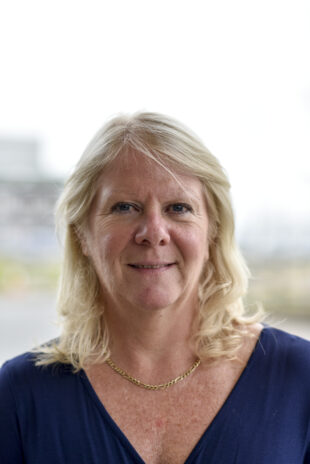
151,266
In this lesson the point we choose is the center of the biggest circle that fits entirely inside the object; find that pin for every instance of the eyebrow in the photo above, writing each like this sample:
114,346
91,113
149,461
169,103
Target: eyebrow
180,196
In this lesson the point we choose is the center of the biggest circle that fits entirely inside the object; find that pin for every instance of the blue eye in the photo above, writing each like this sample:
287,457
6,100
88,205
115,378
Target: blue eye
123,207
180,208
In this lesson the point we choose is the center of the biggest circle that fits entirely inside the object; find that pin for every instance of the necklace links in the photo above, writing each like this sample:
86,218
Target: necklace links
147,386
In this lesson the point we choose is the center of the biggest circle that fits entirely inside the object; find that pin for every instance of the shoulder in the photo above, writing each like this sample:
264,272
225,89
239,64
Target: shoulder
21,366
286,352
23,377
286,342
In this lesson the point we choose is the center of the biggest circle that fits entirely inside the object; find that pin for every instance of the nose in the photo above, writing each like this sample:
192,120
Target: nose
152,231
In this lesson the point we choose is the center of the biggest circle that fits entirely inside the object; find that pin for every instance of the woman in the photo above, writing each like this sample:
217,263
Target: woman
156,361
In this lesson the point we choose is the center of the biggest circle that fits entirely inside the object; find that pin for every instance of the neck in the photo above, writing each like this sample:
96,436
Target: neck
146,341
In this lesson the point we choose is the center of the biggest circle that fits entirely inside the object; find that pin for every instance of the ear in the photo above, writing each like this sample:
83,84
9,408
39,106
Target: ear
81,235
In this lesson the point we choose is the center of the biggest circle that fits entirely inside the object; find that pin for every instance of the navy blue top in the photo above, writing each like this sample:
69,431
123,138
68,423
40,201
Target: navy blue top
50,415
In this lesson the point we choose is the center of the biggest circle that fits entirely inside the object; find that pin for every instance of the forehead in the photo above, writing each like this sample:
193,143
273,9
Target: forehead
136,173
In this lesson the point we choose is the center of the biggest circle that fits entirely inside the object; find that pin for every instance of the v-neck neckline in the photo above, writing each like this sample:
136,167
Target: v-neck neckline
230,398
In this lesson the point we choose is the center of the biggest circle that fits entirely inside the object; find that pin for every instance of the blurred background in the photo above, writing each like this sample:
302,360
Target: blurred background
237,73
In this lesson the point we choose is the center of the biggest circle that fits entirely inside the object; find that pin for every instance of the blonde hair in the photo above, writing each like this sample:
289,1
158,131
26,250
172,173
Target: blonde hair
221,319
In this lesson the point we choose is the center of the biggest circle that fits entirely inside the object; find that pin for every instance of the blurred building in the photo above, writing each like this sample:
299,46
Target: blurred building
276,237
28,196
27,199
19,159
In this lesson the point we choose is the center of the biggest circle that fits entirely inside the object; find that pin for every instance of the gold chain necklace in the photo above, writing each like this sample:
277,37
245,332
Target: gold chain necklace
160,386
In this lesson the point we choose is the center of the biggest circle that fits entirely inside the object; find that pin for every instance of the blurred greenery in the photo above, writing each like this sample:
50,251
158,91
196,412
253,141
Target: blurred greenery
282,287
28,276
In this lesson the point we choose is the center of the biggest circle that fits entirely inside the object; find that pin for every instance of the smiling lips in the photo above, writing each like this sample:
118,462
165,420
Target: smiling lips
151,266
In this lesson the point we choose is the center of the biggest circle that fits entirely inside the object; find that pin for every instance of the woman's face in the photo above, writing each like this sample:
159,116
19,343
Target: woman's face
147,235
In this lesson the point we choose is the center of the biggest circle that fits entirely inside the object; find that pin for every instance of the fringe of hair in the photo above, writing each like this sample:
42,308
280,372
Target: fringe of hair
222,322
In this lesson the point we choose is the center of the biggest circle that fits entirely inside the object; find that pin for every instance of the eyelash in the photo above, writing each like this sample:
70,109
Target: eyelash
185,206
116,208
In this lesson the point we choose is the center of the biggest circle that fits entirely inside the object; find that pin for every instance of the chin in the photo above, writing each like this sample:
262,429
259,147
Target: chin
153,301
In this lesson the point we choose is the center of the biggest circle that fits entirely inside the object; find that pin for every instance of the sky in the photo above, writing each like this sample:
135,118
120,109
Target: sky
236,72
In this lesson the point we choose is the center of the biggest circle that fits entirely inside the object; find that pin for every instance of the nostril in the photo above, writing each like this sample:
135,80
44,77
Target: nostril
152,233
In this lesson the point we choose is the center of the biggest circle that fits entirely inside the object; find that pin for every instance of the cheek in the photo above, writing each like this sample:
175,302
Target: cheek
107,247
194,246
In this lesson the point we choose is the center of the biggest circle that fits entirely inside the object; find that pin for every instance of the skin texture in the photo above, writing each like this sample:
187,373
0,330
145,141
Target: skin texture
142,216
164,426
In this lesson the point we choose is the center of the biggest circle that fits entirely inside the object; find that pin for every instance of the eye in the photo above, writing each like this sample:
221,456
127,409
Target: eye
123,208
180,208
